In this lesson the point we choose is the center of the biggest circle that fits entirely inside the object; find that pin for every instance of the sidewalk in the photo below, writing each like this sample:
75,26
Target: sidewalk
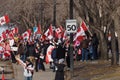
8,70
47,75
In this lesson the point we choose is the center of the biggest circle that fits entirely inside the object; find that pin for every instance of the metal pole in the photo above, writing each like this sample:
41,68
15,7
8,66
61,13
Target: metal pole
71,41
41,12
54,13
71,9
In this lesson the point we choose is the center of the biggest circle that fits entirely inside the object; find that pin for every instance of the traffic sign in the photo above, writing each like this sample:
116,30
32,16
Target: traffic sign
71,26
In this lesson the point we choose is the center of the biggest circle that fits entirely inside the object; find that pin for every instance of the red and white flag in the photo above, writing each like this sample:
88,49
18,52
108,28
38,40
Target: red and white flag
64,35
58,32
4,35
48,54
10,35
1,38
14,30
4,19
80,33
83,25
39,29
49,32
26,34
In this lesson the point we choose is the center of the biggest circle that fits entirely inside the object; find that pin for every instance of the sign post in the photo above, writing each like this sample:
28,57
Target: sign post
71,27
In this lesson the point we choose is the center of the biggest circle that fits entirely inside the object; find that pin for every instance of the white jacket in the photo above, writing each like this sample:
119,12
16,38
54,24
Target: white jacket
27,71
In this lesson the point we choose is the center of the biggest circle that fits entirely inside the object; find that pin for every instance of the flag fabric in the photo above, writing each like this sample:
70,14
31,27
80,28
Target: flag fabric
48,54
26,34
10,35
4,19
80,33
7,54
58,32
49,32
83,25
14,30
43,37
1,38
4,35
34,29
38,29
64,35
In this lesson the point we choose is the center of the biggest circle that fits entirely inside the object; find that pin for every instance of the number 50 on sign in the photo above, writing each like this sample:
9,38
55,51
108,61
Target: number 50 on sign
71,26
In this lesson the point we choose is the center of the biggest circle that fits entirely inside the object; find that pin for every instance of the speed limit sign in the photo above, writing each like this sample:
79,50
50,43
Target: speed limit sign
71,26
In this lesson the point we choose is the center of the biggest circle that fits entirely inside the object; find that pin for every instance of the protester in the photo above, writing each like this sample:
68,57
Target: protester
95,43
41,64
37,56
84,45
28,68
60,70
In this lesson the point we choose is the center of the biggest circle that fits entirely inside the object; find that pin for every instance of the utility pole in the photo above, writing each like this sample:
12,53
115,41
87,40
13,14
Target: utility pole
54,12
71,40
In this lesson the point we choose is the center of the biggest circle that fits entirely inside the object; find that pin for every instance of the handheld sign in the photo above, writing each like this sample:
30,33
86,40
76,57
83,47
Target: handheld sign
71,26
14,48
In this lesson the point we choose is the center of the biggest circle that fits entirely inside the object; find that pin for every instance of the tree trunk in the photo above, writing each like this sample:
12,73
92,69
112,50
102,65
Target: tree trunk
117,28
114,57
103,46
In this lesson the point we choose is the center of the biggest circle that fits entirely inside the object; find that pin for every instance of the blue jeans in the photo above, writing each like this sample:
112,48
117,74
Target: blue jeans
23,57
84,54
91,52
28,78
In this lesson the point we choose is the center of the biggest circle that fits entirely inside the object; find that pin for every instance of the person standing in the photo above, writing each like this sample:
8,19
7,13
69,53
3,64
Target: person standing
60,70
28,68
84,46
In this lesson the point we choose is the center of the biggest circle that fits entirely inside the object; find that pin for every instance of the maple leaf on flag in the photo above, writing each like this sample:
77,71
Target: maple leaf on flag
4,19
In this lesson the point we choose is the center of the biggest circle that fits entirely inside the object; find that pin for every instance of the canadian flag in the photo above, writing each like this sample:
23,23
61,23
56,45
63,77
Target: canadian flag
48,54
39,29
10,35
4,35
58,32
83,25
4,19
80,33
49,32
64,35
14,30
26,34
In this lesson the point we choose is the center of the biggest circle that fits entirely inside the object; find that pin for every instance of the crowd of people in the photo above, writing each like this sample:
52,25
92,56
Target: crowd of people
33,54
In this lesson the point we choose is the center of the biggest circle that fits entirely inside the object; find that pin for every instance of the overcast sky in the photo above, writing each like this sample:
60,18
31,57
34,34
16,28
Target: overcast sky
2,28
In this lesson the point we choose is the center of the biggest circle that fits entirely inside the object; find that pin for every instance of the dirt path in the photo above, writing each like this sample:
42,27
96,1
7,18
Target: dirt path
96,70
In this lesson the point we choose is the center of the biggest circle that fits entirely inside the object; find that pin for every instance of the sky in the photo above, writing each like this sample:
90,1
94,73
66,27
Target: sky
2,28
